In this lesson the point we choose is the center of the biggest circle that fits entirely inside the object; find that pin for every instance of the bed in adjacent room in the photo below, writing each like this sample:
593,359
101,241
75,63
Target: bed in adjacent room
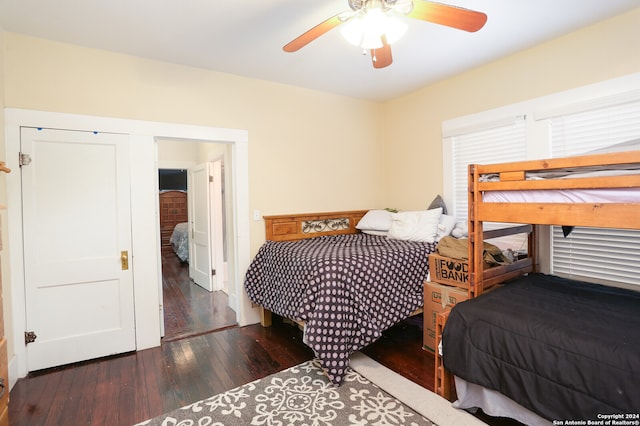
180,241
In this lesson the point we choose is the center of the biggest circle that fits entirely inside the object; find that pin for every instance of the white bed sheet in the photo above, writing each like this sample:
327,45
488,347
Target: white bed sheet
472,396
609,195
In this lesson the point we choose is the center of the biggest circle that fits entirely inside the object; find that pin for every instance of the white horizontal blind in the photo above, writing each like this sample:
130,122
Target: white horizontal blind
506,142
593,130
605,254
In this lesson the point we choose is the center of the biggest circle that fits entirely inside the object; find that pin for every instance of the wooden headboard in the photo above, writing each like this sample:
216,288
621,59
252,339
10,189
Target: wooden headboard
173,210
307,225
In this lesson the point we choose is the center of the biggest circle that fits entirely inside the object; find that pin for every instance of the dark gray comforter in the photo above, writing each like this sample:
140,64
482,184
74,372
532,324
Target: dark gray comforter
347,288
567,350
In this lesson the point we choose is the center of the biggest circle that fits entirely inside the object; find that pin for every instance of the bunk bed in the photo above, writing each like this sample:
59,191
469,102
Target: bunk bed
537,347
343,286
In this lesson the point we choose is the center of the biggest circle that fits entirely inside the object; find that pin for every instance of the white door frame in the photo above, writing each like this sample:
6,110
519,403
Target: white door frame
145,232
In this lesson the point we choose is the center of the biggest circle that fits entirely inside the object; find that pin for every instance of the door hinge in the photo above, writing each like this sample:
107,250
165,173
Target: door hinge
29,337
213,272
210,178
24,159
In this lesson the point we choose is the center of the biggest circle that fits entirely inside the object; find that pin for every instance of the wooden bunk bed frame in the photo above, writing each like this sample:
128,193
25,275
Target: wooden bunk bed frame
513,176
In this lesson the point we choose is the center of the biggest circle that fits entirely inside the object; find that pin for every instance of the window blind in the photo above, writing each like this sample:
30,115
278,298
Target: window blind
507,141
605,254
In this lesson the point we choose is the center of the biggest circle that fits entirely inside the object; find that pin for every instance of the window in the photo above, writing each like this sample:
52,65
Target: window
569,123
605,254
495,142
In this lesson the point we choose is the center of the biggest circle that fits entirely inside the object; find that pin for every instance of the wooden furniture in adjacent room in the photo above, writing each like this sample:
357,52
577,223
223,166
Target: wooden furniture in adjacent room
173,210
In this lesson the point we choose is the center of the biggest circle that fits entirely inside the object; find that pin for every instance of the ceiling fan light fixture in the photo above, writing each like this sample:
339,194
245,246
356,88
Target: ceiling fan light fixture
365,30
353,30
371,40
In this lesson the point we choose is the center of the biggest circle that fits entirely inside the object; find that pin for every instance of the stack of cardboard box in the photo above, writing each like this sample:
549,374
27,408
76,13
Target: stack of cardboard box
449,285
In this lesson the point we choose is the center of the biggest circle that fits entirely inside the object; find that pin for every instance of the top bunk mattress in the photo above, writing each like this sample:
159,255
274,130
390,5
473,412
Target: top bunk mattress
630,193
574,195
609,195
564,349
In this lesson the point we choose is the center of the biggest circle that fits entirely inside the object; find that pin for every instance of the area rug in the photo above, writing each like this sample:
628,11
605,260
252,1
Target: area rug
302,395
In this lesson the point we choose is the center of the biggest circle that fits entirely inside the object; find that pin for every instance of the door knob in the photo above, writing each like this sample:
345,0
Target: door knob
124,260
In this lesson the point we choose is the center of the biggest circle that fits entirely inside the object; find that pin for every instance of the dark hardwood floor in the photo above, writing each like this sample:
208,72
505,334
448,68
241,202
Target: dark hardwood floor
130,388
189,309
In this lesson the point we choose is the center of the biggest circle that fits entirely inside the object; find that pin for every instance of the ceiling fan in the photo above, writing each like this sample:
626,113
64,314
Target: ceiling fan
373,24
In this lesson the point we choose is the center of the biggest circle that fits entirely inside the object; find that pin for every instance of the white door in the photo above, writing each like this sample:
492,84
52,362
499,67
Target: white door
198,198
76,230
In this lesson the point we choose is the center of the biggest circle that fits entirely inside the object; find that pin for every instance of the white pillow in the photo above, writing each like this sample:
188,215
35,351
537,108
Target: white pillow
421,225
375,220
446,225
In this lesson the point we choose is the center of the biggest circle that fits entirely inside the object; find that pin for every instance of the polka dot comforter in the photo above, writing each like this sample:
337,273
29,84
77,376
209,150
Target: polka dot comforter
347,289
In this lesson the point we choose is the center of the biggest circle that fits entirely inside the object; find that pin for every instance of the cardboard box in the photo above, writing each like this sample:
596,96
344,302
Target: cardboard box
445,270
436,298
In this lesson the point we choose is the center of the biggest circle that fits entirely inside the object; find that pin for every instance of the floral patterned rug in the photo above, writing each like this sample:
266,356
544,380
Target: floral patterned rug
300,395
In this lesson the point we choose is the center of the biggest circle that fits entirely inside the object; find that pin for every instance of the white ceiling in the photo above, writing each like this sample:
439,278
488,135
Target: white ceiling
245,37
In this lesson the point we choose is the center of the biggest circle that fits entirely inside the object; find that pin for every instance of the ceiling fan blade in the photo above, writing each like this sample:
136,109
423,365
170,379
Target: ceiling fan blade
450,16
381,57
313,34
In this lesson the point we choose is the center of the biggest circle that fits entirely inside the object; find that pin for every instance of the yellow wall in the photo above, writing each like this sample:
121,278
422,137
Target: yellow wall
308,150
413,123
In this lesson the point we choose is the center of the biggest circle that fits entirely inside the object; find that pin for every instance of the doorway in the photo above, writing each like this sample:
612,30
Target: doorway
145,265
193,238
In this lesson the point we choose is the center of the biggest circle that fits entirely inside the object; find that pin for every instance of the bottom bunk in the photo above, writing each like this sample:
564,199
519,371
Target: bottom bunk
563,349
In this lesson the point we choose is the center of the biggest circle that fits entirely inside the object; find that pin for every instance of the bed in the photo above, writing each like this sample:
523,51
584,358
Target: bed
180,241
346,287
549,348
